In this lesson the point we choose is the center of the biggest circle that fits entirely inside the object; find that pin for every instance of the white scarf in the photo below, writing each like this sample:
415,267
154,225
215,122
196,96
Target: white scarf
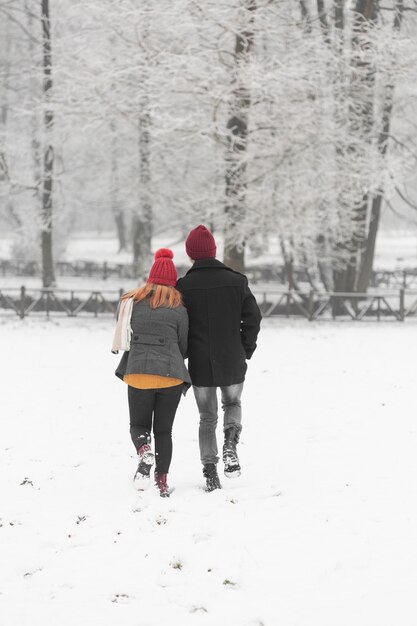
123,330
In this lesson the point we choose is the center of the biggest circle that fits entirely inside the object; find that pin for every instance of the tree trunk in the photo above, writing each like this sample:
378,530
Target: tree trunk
361,123
48,277
119,218
288,264
339,17
143,220
388,105
4,110
114,190
4,105
34,118
333,278
237,126
324,24
305,17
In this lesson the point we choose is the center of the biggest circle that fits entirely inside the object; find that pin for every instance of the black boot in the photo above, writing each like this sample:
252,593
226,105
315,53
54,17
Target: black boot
211,476
230,457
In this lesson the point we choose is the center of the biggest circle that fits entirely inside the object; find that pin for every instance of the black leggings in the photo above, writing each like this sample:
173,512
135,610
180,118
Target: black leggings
161,404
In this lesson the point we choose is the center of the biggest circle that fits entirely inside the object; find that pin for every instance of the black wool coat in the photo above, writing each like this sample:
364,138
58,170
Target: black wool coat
224,321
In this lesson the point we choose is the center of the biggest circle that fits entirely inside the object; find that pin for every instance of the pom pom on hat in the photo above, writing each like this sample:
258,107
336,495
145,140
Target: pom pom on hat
163,271
164,253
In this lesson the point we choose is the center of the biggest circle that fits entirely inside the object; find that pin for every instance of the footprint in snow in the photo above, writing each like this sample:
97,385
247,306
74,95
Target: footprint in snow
26,481
35,571
198,609
121,598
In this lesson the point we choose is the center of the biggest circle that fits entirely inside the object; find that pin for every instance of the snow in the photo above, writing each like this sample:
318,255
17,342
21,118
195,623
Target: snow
5,247
396,250
319,530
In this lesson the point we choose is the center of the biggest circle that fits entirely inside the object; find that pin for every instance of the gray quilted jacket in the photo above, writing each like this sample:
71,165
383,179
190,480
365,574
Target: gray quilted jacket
158,344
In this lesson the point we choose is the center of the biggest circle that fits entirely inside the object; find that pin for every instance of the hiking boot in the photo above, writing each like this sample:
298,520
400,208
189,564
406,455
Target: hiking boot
161,483
211,476
141,478
230,458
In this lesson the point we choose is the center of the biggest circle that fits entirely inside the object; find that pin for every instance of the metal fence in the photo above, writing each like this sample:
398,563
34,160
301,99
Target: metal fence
396,305
67,302
313,305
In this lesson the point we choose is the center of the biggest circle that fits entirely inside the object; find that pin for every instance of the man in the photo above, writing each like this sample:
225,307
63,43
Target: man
224,321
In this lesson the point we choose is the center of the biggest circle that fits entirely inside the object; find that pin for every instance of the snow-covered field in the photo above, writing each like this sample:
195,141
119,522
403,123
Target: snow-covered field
320,530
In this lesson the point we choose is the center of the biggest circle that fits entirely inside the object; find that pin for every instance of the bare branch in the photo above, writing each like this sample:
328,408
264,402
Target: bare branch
405,199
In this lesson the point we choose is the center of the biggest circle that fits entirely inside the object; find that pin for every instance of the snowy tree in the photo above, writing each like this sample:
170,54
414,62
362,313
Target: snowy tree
18,185
48,150
238,132
267,121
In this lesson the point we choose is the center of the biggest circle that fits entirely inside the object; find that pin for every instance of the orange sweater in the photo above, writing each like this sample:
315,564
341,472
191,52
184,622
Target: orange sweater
150,381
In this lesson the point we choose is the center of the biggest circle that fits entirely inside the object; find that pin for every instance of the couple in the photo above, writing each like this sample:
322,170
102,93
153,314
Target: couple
209,316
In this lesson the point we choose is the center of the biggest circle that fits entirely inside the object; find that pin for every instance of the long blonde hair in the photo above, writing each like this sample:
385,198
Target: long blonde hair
161,295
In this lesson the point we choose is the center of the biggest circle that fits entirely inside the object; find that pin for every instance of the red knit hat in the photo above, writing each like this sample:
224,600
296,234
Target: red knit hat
200,244
163,271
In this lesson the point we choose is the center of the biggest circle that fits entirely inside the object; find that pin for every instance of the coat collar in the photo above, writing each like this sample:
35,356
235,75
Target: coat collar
203,264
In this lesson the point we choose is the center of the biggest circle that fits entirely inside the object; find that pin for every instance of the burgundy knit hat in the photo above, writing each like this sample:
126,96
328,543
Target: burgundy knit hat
200,244
163,271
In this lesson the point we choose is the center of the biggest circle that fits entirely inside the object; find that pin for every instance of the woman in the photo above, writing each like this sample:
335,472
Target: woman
153,367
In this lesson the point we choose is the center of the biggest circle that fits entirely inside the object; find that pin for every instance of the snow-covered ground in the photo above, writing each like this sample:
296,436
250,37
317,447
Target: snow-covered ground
320,530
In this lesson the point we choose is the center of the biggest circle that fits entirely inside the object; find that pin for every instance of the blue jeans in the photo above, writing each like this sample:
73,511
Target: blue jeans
206,398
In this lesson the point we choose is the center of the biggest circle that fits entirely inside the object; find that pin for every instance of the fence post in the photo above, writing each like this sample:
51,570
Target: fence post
402,304
22,301
105,270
